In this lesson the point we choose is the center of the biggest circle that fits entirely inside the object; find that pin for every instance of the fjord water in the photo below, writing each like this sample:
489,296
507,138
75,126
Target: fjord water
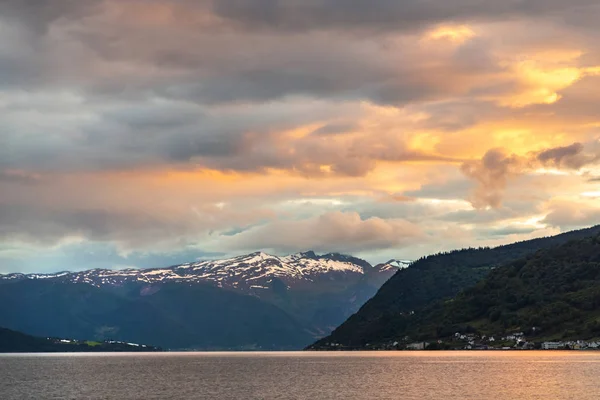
381,375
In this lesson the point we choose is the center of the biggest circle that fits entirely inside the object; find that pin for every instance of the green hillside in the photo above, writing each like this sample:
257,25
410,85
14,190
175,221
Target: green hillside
415,301
555,291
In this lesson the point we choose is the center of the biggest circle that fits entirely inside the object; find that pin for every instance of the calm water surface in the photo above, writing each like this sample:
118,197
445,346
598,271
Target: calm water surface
381,375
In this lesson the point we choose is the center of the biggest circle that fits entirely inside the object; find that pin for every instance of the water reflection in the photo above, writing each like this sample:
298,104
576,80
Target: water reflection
352,375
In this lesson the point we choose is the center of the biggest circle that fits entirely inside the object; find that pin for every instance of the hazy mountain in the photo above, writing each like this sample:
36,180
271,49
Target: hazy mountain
251,301
429,280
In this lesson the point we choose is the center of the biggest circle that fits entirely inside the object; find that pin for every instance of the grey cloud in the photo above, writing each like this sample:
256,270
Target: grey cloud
101,85
417,212
300,15
574,156
452,189
506,231
335,129
238,138
564,156
491,173
257,85
569,215
220,69
578,101
17,176
48,226
90,255
334,231
478,216
39,14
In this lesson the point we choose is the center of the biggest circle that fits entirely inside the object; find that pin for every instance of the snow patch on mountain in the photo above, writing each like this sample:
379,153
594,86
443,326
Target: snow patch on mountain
396,264
249,272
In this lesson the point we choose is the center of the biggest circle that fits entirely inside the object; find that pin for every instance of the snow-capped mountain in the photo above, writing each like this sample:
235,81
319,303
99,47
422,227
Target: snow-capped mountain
256,299
395,265
252,272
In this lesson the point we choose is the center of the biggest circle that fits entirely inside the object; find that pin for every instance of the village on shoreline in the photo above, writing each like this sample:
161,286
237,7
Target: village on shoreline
471,341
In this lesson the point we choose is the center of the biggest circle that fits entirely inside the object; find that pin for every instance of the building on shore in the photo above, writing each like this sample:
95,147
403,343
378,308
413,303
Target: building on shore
552,345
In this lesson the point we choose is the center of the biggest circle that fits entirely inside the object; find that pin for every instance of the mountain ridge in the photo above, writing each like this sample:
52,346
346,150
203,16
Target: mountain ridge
257,268
253,301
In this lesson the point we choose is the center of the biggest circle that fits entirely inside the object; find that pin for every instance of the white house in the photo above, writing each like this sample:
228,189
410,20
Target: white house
552,345
416,346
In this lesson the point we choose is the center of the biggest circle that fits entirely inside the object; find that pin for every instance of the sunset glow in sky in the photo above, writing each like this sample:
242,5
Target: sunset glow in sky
150,132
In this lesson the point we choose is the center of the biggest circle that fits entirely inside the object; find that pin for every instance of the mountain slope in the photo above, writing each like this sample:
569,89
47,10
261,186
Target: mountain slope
553,294
430,280
17,342
556,290
170,315
252,301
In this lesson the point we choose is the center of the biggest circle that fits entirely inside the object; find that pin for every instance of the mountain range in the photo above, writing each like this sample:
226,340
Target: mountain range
255,301
444,293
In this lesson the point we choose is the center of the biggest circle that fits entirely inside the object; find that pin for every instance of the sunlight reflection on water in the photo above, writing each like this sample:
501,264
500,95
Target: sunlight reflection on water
307,375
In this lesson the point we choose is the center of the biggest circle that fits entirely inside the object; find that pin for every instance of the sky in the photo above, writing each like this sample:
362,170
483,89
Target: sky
143,133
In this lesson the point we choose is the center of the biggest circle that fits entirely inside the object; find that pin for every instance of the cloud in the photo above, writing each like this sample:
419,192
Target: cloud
154,133
494,171
298,15
334,231
38,16
19,176
569,214
570,157
491,173
180,125
130,229
84,255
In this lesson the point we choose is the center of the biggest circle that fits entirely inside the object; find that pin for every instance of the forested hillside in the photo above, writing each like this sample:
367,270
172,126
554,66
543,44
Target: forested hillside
427,283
